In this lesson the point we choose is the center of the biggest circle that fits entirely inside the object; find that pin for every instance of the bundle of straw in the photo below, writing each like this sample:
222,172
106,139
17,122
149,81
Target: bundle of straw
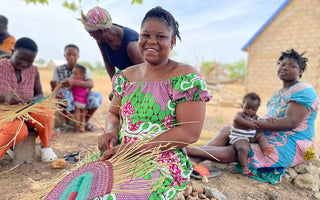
12,112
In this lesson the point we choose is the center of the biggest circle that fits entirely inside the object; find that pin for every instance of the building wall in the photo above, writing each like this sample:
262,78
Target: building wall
296,26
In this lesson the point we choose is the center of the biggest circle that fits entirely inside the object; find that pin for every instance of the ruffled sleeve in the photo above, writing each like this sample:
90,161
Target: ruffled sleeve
304,94
189,87
119,82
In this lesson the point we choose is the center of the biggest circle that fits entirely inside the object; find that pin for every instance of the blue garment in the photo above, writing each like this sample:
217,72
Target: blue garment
120,58
94,99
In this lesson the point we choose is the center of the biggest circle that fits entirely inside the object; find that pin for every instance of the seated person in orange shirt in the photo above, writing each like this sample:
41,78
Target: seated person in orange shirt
7,41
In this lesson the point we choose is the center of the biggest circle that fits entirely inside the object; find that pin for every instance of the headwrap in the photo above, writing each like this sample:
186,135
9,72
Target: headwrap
96,18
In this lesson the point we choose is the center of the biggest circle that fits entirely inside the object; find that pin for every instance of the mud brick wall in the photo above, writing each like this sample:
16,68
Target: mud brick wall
296,26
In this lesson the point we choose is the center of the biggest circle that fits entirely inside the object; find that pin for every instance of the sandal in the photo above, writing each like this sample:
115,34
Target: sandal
47,154
89,127
199,171
72,157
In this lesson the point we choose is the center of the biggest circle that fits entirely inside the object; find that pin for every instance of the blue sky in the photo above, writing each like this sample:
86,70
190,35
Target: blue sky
212,30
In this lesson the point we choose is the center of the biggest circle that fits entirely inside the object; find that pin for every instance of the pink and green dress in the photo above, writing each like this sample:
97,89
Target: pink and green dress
150,107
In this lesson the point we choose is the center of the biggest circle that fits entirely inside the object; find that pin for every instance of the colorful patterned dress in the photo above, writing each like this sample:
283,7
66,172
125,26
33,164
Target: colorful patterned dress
291,147
150,107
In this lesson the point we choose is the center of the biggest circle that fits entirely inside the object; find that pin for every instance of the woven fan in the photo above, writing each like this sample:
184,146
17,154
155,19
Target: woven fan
125,172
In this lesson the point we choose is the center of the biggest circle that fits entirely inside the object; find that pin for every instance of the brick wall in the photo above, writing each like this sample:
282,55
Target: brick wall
296,26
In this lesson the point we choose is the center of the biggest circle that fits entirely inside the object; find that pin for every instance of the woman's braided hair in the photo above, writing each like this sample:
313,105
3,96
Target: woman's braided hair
291,53
161,13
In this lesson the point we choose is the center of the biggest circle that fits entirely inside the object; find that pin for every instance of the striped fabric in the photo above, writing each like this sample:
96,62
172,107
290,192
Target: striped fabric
241,134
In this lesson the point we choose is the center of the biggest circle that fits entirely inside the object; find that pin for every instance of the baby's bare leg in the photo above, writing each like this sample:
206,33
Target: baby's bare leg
77,117
82,119
263,142
242,147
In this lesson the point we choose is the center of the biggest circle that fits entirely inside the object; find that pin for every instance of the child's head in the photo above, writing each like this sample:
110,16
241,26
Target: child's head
79,72
71,53
250,104
3,24
25,51
294,55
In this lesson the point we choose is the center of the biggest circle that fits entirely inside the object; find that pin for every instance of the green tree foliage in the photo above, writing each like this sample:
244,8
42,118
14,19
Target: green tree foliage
99,66
207,67
72,5
87,64
40,61
238,70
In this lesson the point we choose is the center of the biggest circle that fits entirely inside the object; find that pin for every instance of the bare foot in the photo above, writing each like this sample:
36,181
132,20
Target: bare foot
267,151
246,170
81,129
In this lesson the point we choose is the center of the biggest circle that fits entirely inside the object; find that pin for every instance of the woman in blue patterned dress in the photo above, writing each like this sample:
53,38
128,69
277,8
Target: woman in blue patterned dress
292,133
161,98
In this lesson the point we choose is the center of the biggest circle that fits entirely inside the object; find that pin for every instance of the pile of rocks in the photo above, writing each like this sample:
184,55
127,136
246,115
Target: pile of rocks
198,190
306,176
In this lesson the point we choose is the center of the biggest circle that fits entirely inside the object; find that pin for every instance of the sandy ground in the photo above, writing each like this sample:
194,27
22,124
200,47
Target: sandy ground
19,182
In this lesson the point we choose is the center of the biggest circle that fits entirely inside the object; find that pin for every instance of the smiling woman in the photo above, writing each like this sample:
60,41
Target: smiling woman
160,104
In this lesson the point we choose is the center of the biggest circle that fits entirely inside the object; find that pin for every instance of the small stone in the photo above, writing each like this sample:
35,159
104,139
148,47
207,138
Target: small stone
190,198
187,190
292,173
195,194
316,162
179,196
317,195
58,164
301,168
197,187
205,180
304,181
202,196
211,193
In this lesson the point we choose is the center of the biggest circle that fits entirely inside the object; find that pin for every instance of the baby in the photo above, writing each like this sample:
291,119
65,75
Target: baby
80,98
243,130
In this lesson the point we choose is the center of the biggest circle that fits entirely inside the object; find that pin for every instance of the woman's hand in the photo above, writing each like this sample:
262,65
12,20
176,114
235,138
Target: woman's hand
108,154
106,142
67,83
10,99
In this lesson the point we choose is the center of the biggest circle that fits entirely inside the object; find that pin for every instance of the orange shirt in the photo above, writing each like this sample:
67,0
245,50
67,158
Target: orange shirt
8,44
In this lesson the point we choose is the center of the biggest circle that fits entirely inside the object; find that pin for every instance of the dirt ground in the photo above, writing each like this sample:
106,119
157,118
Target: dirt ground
19,182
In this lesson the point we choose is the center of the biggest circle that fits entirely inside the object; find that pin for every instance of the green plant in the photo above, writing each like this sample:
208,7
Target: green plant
237,70
207,67
40,61
219,120
99,66
87,64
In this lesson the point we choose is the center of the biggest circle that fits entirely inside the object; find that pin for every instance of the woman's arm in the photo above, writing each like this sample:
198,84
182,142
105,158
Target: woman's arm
294,115
243,122
190,117
111,70
134,53
85,84
37,90
109,138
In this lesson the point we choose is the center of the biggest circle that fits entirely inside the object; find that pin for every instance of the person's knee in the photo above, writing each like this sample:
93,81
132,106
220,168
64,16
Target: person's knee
23,134
243,149
94,100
